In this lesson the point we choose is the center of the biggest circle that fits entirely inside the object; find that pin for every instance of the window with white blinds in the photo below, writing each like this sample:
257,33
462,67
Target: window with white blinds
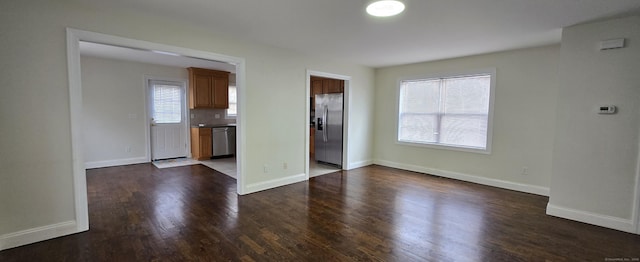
167,103
447,111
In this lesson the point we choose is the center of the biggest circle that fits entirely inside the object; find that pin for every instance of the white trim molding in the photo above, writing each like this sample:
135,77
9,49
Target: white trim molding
636,207
538,190
636,197
116,162
616,223
345,116
81,204
256,187
37,234
359,164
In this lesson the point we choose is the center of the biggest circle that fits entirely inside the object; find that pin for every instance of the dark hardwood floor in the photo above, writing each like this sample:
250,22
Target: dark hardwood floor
192,213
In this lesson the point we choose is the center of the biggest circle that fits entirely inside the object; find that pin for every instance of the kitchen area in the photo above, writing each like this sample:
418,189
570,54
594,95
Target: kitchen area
212,111
326,125
184,114
212,102
211,105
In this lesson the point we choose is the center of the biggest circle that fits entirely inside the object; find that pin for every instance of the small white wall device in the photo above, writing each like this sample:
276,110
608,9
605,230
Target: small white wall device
612,44
606,109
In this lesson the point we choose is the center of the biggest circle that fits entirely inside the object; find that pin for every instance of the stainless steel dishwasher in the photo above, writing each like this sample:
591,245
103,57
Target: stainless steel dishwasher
224,141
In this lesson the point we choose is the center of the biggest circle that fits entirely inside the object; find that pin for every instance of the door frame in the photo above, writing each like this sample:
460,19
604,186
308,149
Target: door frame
346,100
149,112
74,36
636,198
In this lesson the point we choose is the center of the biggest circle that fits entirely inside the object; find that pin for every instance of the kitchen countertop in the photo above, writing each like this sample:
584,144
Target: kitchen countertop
212,126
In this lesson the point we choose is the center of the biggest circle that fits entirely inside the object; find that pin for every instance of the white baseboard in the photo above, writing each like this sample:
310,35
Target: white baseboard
37,234
359,164
116,162
252,188
538,190
616,223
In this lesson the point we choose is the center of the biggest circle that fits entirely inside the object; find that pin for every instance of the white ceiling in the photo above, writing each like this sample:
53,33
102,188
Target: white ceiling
427,30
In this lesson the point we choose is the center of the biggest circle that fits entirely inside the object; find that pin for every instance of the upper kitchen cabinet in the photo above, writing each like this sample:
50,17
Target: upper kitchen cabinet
316,86
316,89
320,85
208,88
331,86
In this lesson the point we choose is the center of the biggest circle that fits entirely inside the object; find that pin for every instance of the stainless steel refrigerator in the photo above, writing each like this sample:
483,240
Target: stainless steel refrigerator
328,135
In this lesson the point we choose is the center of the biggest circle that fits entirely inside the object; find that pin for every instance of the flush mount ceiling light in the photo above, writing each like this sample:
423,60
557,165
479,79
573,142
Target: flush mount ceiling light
384,8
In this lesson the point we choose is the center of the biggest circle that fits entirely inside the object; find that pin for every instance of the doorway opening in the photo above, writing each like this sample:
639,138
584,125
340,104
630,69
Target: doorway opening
327,118
74,38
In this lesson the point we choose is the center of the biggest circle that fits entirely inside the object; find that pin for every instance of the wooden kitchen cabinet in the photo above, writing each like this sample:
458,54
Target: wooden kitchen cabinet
331,86
320,85
208,88
316,88
312,141
201,143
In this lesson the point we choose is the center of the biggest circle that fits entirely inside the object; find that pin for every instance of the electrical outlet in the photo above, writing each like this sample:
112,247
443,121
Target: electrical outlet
525,170
265,169
127,149
217,116
285,165
193,116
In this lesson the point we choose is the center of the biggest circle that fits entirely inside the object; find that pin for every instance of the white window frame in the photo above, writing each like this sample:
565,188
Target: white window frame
226,111
487,71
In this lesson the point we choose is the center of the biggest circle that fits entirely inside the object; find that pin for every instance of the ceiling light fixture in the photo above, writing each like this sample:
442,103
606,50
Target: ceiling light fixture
385,8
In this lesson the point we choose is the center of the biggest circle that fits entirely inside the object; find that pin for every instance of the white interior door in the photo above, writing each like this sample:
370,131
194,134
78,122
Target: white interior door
168,119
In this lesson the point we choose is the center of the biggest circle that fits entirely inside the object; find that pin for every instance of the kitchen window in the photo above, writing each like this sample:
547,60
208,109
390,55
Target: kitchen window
449,111
232,111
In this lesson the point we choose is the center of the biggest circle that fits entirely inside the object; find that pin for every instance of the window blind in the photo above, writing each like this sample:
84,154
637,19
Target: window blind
167,104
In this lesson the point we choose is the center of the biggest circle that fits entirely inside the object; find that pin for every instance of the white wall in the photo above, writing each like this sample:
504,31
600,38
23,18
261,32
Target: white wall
523,128
114,109
36,160
595,156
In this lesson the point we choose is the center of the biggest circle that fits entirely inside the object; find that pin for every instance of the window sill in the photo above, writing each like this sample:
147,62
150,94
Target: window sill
447,147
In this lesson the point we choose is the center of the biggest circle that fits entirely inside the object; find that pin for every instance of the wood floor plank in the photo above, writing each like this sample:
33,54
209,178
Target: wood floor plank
192,213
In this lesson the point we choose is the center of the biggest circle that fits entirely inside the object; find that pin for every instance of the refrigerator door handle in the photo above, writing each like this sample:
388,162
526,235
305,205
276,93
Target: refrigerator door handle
325,116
